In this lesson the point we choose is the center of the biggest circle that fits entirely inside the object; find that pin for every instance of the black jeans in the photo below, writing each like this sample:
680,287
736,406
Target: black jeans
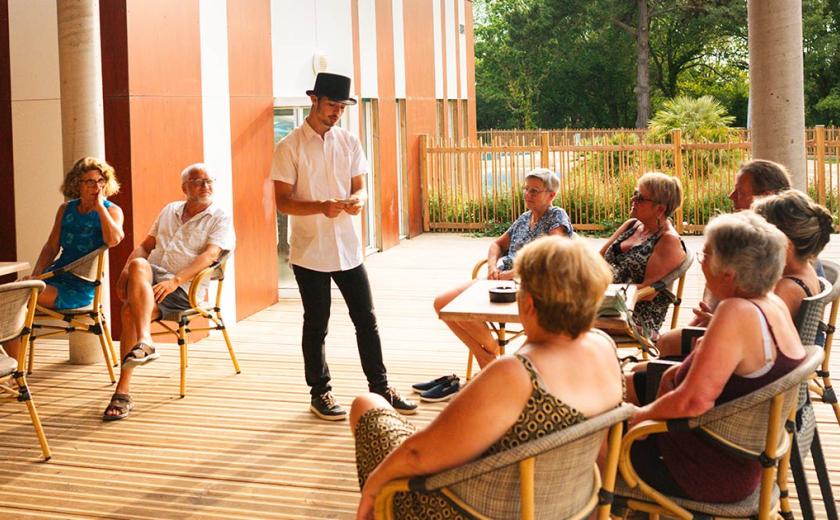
315,293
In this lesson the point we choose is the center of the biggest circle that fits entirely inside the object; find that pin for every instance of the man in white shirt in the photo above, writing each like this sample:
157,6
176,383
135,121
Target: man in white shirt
318,172
187,237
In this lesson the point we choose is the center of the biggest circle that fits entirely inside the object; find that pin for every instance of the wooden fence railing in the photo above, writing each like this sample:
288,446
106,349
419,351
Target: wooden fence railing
478,187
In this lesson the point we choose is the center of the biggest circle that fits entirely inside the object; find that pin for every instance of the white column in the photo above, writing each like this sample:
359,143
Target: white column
82,121
215,117
777,94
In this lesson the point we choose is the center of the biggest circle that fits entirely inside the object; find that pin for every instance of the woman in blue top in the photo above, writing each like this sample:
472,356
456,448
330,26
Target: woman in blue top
82,225
541,218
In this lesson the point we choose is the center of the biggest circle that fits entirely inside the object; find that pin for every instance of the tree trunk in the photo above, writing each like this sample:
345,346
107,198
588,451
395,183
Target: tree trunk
642,89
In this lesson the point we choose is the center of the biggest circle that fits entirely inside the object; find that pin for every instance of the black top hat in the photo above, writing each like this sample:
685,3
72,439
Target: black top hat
333,86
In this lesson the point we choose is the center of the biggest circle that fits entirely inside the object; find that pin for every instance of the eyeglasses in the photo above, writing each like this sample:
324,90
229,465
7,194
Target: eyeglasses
93,182
533,192
702,256
639,198
201,182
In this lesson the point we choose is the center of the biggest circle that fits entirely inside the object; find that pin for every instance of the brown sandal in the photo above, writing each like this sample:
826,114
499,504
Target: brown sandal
140,354
120,403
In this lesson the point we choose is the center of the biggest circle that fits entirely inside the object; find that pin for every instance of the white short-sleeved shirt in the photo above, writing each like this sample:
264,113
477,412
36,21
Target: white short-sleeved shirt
177,244
322,169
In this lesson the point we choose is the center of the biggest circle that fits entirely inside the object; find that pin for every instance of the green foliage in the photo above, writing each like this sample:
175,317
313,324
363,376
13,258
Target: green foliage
572,63
701,120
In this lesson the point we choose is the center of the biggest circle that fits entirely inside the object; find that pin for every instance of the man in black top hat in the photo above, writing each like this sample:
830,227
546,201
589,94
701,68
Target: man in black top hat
319,171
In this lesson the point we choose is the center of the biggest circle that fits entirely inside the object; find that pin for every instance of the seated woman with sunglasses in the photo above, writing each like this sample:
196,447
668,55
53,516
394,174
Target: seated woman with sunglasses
541,218
647,247
82,225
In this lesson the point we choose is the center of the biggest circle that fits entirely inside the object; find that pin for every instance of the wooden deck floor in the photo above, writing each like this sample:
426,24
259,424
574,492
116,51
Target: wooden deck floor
246,446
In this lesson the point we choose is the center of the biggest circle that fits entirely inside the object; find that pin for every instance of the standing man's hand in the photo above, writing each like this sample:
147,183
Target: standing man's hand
355,205
332,208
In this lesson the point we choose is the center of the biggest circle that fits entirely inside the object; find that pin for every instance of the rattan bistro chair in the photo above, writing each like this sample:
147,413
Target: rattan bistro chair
751,427
90,319
553,477
17,311
503,335
199,309
806,435
821,385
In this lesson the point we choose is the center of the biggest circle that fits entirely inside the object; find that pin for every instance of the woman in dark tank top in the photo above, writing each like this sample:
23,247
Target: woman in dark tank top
750,342
808,226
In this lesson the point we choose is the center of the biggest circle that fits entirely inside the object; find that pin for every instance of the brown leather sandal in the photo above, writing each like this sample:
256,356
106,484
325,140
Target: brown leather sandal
120,403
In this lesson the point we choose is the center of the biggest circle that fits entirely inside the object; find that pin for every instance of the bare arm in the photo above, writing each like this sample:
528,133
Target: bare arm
111,222
715,360
204,260
791,294
358,195
615,235
497,248
667,255
486,408
288,205
52,245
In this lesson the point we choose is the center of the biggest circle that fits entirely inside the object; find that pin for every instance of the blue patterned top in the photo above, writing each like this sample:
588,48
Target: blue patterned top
81,233
521,232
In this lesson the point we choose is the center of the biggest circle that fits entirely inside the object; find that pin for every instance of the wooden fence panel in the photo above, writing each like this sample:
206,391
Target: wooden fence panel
478,187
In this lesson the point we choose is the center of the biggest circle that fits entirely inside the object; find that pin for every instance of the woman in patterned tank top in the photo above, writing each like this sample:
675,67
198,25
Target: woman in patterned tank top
81,225
647,247
563,374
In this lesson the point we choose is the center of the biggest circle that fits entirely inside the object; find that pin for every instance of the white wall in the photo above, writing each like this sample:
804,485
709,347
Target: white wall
36,121
399,49
438,34
215,118
462,6
299,30
450,34
367,49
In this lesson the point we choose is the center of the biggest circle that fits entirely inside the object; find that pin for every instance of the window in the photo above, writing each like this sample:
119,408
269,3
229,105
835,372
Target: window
402,169
370,141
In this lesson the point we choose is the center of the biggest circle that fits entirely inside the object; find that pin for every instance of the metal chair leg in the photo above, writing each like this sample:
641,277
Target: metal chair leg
229,347
104,345
822,476
26,397
109,339
797,470
182,345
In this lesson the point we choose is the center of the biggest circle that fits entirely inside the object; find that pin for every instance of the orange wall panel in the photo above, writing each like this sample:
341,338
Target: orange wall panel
152,98
418,20
389,199
252,145
166,136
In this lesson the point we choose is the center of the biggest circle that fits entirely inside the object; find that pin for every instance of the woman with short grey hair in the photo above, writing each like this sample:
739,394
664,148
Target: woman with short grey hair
750,342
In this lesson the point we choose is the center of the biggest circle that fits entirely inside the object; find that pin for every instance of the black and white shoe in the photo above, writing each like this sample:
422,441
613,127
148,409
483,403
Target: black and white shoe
325,407
403,406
